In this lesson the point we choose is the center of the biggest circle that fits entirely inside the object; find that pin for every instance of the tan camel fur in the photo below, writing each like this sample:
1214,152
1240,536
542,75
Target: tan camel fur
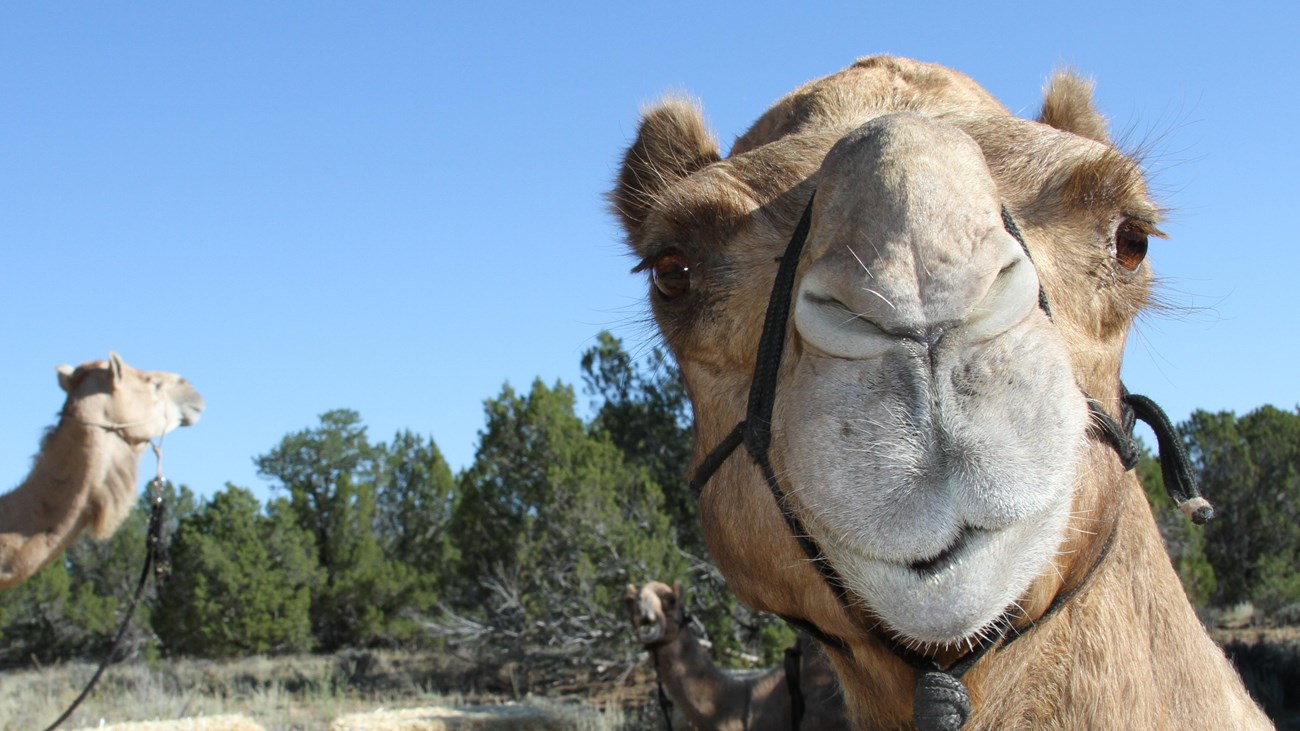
715,700
85,474
930,430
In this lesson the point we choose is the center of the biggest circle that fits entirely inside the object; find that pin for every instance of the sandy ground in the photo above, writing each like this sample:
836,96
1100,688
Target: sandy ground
436,718
497,718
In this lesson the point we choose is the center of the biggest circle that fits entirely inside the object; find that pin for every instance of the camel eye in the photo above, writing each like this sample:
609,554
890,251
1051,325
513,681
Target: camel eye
1130,246
671,275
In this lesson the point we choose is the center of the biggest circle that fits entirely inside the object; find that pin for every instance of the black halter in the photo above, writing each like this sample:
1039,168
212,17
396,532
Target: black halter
942,702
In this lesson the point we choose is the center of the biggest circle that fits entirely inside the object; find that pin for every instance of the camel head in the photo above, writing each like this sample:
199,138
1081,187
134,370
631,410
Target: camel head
931,430
137,405
657,611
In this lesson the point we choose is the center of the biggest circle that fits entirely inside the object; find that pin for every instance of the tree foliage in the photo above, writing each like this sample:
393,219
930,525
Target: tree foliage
552,523
645,410
333,475
241,580
646,413
415,494
1249,467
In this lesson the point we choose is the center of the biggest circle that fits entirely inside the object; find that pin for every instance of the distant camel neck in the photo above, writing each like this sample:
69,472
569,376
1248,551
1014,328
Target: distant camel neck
711,698
84,476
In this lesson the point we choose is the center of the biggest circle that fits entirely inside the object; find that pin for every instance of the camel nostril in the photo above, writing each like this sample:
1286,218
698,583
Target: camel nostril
1010,298
831,327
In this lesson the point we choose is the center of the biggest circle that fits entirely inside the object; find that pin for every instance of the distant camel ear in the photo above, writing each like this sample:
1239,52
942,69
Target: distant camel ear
673,142
1067,106
65,377
115,365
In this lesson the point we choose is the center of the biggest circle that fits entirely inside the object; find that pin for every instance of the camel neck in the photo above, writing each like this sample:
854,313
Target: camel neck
709,697
84,476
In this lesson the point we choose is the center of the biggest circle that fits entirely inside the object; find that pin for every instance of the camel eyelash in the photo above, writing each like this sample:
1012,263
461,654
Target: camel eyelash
648,263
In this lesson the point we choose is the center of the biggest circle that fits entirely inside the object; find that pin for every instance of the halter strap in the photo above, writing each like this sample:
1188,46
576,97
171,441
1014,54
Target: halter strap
942,702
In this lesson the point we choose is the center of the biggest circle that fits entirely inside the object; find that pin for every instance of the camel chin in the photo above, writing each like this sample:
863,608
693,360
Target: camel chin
962,594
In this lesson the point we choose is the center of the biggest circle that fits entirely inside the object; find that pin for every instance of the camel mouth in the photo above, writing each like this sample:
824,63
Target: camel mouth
952,595
649,631
190,412
947,557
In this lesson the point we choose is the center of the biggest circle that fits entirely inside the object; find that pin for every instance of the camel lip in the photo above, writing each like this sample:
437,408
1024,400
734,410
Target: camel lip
650,633
946,557
190,415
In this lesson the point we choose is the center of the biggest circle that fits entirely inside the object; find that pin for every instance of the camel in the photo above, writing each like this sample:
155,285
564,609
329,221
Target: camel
84,477
909,307
715,700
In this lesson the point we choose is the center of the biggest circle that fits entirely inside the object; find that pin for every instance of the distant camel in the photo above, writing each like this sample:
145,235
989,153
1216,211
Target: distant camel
713,699
85,473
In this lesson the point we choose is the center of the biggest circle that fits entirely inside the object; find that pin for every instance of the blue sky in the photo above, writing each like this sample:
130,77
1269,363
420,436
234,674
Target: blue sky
397,207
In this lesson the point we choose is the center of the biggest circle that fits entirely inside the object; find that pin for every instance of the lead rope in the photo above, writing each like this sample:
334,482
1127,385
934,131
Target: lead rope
942,702
794,684
155,558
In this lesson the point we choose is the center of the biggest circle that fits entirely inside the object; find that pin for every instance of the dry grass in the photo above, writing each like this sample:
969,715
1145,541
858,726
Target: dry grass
369,691
302,693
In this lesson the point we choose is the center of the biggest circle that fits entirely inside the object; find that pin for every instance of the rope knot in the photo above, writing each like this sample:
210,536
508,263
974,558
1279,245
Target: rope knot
941,703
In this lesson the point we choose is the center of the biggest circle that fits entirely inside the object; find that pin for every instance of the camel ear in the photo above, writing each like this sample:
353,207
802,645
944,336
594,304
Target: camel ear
1067,106
65,377
679,591
115,365
672,142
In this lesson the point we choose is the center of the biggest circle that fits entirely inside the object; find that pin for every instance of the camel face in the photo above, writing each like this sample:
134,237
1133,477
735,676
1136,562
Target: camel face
655,612
930,423
138,405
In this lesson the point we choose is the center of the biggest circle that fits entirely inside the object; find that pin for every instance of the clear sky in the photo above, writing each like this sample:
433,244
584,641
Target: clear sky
397,207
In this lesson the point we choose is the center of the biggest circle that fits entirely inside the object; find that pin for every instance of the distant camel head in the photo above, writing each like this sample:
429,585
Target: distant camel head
84,477
657,611
137,405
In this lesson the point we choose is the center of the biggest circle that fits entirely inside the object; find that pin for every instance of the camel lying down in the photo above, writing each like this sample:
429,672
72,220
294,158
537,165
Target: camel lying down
716,701
85,474
900,312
